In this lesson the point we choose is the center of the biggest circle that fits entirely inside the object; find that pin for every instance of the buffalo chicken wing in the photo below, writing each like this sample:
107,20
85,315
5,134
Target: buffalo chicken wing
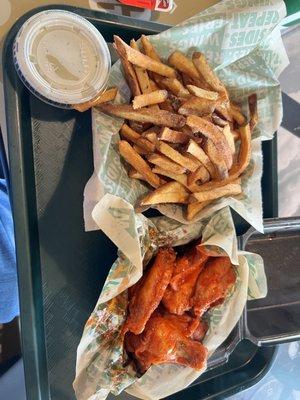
213,284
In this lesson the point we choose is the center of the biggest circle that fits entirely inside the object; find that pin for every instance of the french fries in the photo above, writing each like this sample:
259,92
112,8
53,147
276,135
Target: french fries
177,157
197,106
166,163
169,135
183,64
104,97
180,130
141,60
228,190
202,93
147,99
171,192
137,162
194,208
160,117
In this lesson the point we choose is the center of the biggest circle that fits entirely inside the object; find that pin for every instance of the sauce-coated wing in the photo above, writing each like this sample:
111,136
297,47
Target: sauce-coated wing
163,342
213,284
191,327
148,295
182,285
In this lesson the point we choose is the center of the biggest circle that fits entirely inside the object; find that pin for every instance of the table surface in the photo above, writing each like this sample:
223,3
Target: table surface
281,382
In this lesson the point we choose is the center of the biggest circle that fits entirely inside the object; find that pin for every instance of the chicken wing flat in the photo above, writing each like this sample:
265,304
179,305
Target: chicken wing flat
148,295
182,285
191,327
213,284
162,341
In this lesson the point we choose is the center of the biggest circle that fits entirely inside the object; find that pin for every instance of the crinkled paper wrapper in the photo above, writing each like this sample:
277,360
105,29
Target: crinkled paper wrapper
242,41
100,365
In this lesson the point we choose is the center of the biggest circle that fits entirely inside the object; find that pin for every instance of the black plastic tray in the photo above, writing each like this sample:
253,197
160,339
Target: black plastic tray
50,153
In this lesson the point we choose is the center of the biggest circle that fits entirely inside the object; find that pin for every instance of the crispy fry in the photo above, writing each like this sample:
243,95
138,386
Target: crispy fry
171,192
139,127
208,74
201,174
218,120
222,110
129,134
176,87
231,189
169,135
166,163
167,106
146,144
237,114
174,155
149,49
141,60
212,132
160,117
194,149
137,162
194,208
141,73
151,136
108,95
181,178
129,72
206,94
252,101
143,100
229,137
197,106
132,173
216,157
140,150
153,85
179,61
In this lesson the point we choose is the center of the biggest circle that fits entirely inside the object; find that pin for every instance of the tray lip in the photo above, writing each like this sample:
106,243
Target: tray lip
34,315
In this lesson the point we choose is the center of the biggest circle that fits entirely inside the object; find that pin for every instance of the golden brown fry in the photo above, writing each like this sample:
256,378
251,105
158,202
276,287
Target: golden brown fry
194,208
141,73
169,135
147,99
132,173
229,137
175,156
166,163
160,117
176,87
194,149
145,144
197,106
149,49
208,74
138,163
171,192
108,95
140,150
141,60
206,94
179,61
218,120
212,132
181,178
216,157
139,127
231,189
129,72
129,134
201,174
151,136
237,114
252,101
223,111
167,106
153,86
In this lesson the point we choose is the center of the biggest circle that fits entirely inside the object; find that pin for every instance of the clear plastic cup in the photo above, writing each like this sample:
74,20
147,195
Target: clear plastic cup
61,58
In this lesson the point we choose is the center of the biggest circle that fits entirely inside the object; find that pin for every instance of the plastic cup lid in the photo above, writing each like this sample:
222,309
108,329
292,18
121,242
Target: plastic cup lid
62,57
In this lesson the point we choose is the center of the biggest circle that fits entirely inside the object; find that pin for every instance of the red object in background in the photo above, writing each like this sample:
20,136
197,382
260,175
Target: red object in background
156,5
